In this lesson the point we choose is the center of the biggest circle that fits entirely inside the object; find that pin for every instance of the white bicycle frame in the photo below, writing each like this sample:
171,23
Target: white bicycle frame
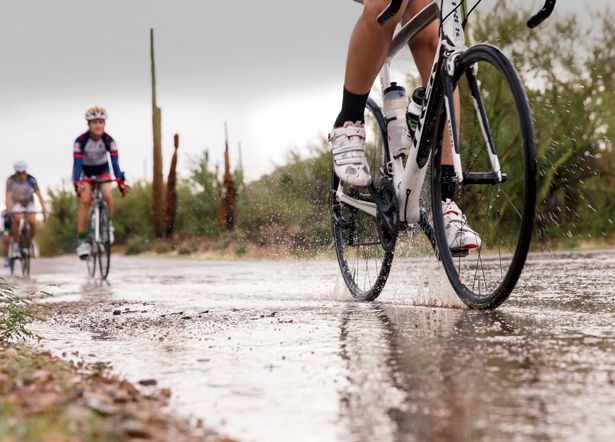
408,180
95,218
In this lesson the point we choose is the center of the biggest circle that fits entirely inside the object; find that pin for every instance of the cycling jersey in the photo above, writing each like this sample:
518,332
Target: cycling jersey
22,192
90,157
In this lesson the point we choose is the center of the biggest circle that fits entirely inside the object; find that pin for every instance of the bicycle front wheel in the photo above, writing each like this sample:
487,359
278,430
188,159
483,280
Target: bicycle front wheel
25,245
498,192
364,251
104,247
91,261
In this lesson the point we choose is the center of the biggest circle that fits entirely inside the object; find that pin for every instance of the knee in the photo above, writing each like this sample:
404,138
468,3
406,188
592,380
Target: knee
84,201
428,39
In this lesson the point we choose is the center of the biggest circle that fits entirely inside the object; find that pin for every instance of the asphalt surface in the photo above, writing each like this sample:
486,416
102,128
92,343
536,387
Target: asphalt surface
278,351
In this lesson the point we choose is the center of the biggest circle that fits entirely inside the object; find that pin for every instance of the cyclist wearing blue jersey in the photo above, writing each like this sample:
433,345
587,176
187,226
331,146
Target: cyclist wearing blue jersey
369,45
20,190
91,153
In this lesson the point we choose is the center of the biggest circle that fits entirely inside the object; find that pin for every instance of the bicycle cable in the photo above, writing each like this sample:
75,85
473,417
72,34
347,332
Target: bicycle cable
465,19
455,9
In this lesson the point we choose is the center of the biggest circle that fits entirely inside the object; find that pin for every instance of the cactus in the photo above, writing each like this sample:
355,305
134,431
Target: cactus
171,191
158,184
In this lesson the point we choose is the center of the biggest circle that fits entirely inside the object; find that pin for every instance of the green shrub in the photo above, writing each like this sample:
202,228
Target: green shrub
15,315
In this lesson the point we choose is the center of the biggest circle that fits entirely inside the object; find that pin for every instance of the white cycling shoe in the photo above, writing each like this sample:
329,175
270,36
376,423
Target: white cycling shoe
14,252
111,234
458,233
84,249
349,158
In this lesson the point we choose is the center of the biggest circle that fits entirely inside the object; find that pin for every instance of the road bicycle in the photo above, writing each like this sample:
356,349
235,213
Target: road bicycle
99,235
475,94
26,248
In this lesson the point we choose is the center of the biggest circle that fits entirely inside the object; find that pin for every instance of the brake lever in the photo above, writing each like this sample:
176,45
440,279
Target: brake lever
542,15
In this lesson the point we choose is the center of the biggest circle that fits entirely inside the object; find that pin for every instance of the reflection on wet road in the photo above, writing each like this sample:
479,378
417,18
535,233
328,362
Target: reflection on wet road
276,351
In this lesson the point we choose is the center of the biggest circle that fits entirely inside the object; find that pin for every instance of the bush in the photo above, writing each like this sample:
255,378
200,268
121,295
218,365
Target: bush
58,234
15,315
290,206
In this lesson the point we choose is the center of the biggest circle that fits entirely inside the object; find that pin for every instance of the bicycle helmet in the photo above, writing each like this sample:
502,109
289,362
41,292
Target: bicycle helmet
20,166
96,113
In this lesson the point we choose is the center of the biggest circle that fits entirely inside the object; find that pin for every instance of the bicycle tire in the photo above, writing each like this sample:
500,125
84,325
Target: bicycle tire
25,248
90,261
349,224
104,247
486,276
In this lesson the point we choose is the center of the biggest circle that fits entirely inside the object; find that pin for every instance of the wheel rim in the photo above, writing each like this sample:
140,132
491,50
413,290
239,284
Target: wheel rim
104,258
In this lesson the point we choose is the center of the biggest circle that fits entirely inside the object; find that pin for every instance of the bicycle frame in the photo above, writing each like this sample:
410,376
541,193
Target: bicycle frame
24,225
408,179
97,202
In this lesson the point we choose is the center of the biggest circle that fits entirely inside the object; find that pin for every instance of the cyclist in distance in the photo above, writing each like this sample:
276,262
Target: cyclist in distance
369,45
20,190
91,153
6,221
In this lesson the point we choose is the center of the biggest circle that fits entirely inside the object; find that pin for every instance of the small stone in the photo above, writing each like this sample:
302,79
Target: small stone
117,312
100,405
136,429
148,382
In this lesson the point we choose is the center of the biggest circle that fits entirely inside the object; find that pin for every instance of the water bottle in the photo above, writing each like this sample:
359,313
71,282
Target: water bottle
395,108
415,108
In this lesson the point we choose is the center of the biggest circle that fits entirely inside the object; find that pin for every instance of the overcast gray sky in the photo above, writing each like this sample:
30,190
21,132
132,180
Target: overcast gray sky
272,68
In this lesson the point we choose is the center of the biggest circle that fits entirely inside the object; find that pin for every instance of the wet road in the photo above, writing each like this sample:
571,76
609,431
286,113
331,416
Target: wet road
275,351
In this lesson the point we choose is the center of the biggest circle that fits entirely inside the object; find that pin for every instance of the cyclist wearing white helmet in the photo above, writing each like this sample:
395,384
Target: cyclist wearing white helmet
91,153
369,45
20,190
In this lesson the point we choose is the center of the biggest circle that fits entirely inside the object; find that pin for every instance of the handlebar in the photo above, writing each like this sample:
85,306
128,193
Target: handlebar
542,15
389,12
97,181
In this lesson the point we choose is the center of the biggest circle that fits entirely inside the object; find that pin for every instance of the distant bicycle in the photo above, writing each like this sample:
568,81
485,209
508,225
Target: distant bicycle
494,157
26,248
100,234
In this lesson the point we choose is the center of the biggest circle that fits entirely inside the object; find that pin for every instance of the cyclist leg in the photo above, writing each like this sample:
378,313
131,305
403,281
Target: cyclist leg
83,221
16,220
106,191
31,218
424,47
15,229
83,211
369,45
5,246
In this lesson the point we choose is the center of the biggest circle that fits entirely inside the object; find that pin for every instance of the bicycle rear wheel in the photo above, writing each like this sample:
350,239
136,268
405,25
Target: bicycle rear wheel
495,122
104,247
364,250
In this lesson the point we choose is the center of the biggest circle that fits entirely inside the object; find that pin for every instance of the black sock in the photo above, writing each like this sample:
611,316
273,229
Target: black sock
448,183
353,108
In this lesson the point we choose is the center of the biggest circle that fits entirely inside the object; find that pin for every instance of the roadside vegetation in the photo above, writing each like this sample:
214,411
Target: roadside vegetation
569,73
43,398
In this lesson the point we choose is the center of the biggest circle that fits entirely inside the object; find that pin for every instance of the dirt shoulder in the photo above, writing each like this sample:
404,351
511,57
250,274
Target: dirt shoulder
43,398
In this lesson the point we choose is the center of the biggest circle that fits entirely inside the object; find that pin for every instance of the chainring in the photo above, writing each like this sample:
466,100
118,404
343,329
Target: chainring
388,214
